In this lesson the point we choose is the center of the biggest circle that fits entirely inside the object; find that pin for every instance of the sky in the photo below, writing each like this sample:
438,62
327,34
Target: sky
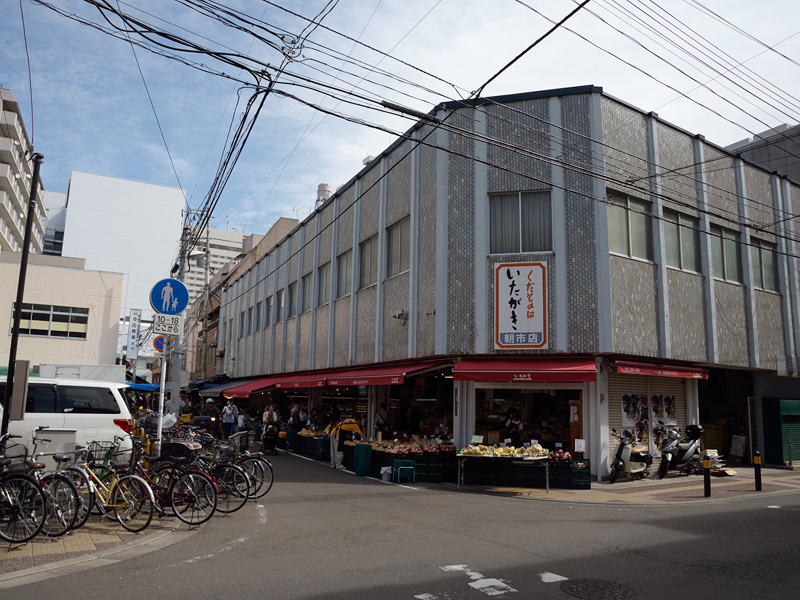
101,107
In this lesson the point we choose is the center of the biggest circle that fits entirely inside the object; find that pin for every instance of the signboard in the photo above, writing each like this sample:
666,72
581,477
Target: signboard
520,305
134,325
169,297
158,343
167,325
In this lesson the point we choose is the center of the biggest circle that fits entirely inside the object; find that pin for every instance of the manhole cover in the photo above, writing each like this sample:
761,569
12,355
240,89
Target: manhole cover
597,589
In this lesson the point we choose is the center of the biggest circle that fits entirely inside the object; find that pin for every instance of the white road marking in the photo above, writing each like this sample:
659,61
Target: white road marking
226,548
427,597
262,514
488,586
773,506
551,577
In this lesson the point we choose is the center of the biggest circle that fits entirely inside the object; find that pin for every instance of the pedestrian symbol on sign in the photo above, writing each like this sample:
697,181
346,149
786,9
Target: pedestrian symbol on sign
169,297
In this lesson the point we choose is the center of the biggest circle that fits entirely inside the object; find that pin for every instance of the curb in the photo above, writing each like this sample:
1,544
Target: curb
146,544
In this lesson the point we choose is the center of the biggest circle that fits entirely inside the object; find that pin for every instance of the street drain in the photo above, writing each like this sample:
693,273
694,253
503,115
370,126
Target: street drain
597,589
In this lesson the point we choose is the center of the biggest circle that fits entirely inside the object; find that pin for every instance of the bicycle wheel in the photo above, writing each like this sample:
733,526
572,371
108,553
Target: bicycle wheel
260,473
193,497
233,487
63,504
85,494
22,508
131,503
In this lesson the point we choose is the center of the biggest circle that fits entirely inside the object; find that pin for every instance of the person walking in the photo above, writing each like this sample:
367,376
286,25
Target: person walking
229,416
338,432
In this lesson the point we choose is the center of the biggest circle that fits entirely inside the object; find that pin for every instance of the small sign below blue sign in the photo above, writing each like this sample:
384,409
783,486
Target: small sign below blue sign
169,297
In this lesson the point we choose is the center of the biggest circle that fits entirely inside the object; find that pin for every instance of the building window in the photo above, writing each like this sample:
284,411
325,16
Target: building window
725,260
398,241
267,312
53,321
279,306
291,299
324,284
242,323
368,263
682,241
344,273
520,222
764,257
305,293
257,317
629,227
250,323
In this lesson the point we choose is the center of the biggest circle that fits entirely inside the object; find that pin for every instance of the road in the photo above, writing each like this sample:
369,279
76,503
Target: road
327,534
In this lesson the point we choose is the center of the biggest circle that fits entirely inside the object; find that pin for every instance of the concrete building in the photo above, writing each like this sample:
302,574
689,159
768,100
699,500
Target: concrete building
777,149
16,172
561,254
223,245
70,315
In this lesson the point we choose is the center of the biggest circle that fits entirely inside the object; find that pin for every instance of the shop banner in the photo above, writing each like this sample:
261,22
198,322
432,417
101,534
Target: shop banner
520,301
636,416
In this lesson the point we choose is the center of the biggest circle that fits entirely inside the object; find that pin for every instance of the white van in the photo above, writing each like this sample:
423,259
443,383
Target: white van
96,410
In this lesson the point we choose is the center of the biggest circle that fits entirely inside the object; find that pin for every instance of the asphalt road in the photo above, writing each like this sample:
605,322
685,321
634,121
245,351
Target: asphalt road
327,534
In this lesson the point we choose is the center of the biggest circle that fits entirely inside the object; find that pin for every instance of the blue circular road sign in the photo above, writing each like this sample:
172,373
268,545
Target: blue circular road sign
158,343
169,297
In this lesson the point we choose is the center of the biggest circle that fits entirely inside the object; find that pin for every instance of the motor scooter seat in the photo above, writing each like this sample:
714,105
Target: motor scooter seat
685,446
640,448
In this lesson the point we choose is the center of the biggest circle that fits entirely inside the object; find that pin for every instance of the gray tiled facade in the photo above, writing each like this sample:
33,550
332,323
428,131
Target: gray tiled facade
577,144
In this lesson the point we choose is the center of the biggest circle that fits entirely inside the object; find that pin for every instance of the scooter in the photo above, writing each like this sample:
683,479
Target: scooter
635,460
680,453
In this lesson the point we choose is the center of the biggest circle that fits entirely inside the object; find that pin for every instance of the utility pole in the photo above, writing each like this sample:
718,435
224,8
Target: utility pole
206,303
176,354
23,271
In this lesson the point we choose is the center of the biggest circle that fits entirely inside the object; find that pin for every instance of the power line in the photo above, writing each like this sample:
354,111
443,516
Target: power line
28,58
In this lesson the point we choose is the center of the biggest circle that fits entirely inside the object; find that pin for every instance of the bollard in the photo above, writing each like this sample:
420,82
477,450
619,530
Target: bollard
757,464
790,453
707,476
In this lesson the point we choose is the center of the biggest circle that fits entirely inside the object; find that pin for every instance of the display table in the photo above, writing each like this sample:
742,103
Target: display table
529,472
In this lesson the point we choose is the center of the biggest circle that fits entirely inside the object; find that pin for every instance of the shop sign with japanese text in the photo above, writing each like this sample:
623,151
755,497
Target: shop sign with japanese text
520,305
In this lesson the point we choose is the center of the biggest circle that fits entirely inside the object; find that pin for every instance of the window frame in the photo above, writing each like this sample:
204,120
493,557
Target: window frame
687,230
758,248
722,242
73,321
324,284
368,262
305,293
291,300
636,210
267,311
344,276
279,305
398,247
523,213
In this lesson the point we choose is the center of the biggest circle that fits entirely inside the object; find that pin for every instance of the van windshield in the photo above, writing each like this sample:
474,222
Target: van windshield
78,399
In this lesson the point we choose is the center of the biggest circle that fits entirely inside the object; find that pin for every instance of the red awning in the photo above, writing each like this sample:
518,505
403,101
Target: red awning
299,381
244,391
634,368
554,370
382,374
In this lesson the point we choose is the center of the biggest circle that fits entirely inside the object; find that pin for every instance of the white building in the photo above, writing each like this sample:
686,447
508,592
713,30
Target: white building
224,246
16,172
127,227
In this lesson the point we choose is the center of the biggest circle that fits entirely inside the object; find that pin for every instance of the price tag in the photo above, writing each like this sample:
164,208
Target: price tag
527,444
580,445
477,439
534,442
558,444
507,441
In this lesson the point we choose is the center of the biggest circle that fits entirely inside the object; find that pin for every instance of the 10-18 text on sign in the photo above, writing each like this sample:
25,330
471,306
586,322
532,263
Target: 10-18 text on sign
167,324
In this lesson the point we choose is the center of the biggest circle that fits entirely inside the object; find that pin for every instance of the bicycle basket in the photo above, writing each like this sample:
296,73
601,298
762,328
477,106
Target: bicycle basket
225,453
181,449
101,452
242,440
121,458
18,453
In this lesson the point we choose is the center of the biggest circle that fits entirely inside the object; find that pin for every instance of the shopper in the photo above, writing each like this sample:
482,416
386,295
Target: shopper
270,416
229,416
338,431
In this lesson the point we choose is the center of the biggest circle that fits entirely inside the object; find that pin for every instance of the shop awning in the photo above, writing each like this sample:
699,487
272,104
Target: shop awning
213,392
634,368
241,390
507,369
299,381
142,387
199,384
382,374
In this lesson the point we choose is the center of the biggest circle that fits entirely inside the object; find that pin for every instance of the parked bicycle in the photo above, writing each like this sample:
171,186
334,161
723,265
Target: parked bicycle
23,506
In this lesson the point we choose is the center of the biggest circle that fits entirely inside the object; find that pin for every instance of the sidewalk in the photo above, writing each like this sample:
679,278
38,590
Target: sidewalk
673,489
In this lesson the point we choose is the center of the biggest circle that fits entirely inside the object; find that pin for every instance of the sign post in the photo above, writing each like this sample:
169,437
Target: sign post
169,298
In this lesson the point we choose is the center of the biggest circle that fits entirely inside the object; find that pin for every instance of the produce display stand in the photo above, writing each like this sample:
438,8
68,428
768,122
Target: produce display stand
504,471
